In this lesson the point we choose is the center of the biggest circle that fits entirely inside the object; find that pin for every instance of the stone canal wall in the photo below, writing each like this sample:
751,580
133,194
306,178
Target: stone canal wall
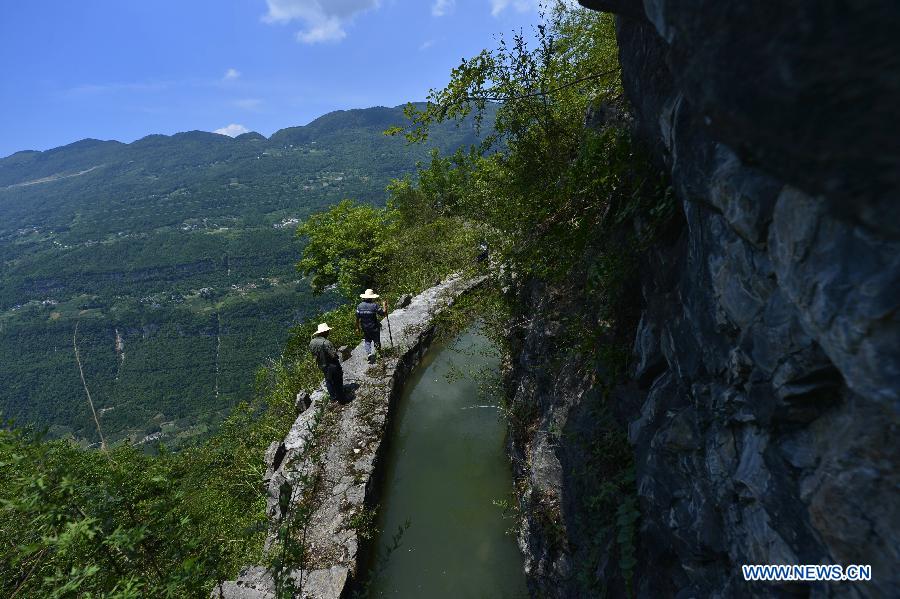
332,457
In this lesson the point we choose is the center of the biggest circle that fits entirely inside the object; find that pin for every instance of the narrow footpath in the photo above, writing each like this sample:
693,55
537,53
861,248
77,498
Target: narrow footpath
330,459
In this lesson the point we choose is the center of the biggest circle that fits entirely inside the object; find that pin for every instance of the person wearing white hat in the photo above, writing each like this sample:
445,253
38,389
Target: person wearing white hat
329,362
367,313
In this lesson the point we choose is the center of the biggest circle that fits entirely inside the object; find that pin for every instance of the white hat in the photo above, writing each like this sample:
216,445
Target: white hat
369,294
323,328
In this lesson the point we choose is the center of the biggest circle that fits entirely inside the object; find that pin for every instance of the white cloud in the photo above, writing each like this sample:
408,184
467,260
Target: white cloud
324,20
232,130
231,74
329,30
442,7
426,44
498,6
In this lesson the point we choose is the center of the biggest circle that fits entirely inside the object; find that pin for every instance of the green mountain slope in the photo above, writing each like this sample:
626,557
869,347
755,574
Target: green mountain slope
175,255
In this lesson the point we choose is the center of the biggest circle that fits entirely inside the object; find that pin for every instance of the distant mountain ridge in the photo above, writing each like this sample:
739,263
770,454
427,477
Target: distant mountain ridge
182,245
155,163
89,149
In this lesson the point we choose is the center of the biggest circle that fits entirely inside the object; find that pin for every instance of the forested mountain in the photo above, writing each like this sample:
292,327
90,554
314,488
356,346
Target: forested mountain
175,255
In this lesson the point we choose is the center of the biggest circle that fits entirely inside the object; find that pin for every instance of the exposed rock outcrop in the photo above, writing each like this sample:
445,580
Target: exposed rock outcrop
764,400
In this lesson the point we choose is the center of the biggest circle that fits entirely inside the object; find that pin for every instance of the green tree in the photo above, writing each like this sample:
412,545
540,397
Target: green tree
417,238
348,246
528,185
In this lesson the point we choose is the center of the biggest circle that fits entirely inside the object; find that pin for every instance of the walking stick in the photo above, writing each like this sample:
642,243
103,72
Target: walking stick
388,319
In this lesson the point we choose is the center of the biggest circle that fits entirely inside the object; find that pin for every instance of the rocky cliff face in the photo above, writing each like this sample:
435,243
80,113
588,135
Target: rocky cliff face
763,400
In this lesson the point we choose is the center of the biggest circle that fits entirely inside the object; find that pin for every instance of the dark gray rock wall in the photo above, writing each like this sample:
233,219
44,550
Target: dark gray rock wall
805,89
765,400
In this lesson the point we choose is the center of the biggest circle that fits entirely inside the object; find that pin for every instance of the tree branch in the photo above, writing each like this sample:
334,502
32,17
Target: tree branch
543,93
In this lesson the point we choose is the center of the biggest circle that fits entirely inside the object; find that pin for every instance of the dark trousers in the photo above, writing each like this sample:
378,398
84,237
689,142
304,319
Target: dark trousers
334,382
371,336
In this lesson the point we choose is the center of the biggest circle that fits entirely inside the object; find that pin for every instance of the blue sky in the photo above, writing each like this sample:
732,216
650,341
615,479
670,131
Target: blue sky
122,69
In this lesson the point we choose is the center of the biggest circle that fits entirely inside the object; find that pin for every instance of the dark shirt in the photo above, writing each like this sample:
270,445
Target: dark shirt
324,351
367,313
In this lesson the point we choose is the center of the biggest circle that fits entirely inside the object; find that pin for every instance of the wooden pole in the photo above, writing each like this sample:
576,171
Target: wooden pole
388,319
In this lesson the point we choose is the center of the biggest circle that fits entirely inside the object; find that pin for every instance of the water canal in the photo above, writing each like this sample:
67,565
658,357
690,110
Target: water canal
446,466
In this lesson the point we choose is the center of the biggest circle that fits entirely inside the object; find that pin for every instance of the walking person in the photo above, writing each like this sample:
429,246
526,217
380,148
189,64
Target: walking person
367,314
329,362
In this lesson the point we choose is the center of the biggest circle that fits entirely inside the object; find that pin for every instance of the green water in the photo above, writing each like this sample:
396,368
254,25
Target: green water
445,467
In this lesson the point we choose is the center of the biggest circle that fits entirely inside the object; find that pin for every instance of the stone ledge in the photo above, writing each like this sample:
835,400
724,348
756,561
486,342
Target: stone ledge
353,456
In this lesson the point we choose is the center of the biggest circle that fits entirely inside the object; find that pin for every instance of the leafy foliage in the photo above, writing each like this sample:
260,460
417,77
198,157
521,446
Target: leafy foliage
123,524
403,247
131,524
346,246
554,183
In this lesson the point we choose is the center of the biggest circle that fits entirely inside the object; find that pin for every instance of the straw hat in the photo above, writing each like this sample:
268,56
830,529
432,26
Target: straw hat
369,294
323,328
